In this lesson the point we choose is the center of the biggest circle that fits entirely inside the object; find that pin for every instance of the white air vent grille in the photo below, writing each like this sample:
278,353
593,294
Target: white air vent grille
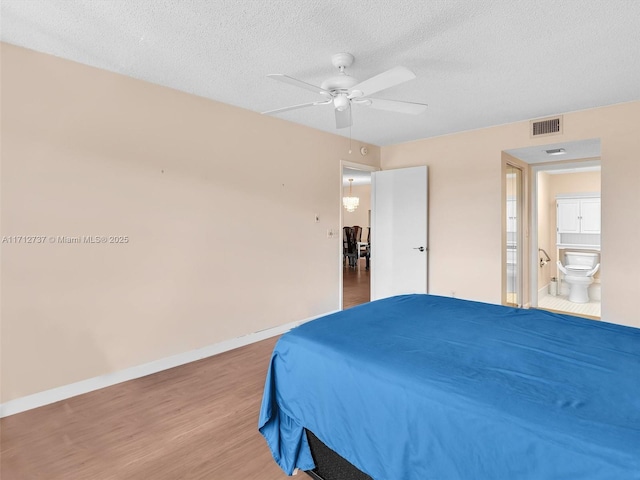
546,126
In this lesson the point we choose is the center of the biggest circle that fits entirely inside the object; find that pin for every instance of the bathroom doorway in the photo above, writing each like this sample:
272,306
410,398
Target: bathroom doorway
569,227
565,244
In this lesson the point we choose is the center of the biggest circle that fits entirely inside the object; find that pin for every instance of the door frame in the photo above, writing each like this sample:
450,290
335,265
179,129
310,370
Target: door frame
355,166
523,230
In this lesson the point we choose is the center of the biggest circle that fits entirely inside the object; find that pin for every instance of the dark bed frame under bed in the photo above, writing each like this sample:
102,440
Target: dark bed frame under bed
330,465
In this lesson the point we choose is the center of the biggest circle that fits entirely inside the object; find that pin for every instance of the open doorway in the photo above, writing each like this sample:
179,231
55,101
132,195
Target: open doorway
356,234
565,247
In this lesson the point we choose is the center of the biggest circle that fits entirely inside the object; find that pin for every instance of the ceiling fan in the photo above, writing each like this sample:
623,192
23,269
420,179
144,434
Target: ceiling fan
342,91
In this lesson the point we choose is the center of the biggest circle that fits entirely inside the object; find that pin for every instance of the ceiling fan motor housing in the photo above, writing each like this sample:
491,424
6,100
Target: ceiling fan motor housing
339,83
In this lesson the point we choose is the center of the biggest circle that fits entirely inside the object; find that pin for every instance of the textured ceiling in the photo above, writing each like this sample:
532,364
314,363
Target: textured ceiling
478,63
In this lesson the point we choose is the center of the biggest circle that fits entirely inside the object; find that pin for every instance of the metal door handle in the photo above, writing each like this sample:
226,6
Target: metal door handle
419,248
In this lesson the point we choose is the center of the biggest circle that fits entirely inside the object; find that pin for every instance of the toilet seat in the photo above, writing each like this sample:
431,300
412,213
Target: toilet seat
577,270
579,277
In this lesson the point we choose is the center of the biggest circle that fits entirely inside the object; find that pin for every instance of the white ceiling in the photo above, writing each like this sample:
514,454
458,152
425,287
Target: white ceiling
478,63
360,177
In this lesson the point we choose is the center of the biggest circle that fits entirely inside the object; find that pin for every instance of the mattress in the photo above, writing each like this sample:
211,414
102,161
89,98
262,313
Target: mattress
427,387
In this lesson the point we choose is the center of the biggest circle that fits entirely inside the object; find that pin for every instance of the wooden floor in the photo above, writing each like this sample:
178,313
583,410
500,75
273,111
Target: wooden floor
197,421
355,285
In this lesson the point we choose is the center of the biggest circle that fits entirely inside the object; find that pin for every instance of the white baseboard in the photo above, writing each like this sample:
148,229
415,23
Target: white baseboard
543,292
85,386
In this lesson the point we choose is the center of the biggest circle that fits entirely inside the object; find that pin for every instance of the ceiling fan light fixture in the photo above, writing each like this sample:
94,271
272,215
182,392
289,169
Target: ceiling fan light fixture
341,102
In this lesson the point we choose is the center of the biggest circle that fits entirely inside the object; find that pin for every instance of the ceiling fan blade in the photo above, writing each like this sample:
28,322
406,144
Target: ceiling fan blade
298,83
388,79
294,107
398,106
343,118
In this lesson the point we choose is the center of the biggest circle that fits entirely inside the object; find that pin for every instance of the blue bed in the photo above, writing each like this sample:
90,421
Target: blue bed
422,387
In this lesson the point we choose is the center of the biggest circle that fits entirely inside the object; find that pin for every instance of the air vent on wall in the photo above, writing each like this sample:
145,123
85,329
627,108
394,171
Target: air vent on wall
546,126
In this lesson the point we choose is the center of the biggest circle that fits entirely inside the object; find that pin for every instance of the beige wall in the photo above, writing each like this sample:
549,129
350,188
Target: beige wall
578,182
189,181
361,215
465,203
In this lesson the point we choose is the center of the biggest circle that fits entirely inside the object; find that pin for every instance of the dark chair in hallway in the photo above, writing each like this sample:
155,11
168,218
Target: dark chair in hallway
350,244
365,249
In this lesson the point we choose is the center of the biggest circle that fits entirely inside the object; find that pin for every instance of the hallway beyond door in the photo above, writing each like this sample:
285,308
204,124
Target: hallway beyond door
355,284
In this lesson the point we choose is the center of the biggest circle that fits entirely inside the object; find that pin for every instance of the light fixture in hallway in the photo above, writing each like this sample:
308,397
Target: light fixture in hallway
350,202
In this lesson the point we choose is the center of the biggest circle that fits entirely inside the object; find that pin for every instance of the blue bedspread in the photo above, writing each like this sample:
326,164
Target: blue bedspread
425,387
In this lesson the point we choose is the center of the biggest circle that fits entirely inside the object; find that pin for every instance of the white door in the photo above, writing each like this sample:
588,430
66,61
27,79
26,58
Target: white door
398,232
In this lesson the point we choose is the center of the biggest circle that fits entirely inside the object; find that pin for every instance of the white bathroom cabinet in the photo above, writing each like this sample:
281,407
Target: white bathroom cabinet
578,221
579,215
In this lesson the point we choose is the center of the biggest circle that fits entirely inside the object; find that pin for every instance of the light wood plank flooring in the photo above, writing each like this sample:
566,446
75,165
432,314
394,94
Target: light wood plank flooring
355,285
197,421
561,303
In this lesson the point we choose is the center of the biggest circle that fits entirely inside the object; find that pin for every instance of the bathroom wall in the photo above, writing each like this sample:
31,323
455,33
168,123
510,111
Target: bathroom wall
545,228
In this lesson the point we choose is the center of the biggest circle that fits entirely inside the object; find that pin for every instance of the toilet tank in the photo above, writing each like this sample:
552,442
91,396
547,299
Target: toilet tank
586,259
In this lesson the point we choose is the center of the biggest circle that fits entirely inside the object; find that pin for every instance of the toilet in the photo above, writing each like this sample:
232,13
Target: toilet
579,269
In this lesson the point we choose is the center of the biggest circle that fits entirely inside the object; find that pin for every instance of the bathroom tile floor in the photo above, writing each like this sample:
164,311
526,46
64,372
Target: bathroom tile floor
562,304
